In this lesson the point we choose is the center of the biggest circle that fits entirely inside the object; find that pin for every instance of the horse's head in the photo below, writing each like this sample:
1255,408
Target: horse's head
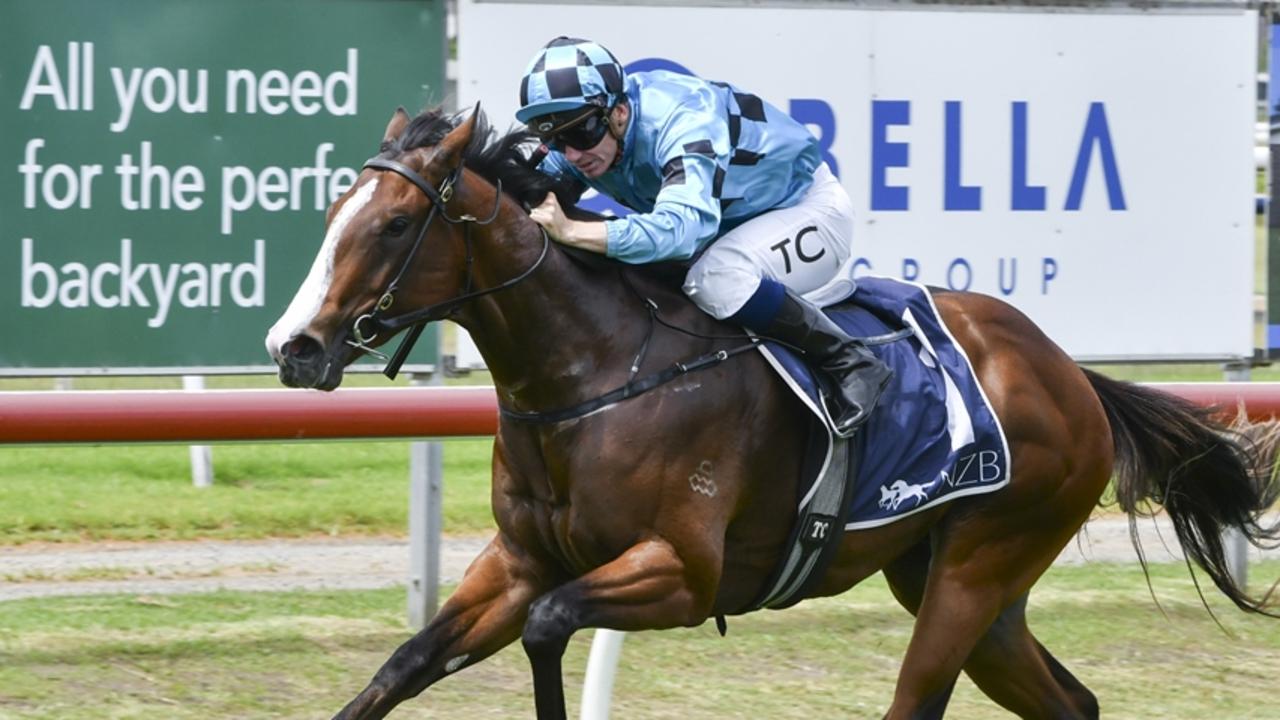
383,228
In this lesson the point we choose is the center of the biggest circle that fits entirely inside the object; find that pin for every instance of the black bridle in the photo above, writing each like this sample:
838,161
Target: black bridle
368,326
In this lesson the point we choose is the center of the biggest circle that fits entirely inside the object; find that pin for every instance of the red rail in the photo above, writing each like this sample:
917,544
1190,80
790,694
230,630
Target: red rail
235,415
1261,399
229,415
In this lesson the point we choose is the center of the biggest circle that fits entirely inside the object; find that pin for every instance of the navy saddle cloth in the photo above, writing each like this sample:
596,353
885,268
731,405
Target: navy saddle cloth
933,436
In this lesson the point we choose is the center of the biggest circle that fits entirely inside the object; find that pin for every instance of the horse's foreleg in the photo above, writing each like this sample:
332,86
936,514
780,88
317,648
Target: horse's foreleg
482,616
647,587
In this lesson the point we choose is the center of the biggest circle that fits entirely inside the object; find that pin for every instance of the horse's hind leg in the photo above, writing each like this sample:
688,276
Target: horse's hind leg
1007,663
1015,670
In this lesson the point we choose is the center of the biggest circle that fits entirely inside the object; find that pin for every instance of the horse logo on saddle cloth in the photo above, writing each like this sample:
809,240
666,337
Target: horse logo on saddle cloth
932,438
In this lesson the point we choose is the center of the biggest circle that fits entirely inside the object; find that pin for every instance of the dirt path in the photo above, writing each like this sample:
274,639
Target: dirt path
188,567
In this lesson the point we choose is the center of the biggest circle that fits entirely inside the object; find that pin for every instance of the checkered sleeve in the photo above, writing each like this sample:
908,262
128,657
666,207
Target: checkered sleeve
692,149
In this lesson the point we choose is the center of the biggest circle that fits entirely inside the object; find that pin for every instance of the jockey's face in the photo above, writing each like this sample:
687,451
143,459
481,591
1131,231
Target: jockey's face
597,160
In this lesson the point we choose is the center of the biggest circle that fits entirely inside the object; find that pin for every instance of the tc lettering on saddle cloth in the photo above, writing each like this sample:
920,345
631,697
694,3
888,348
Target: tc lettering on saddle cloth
933,436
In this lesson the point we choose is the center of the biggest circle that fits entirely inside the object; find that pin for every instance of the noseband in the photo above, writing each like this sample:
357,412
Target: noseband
368,326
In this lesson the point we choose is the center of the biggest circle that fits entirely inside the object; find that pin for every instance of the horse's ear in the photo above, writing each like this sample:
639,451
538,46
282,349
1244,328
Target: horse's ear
399,120
451,147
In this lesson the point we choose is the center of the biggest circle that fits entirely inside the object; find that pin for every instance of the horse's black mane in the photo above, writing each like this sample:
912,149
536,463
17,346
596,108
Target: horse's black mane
495,157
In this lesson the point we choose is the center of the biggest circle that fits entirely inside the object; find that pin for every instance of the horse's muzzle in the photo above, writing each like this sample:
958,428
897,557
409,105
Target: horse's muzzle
304,363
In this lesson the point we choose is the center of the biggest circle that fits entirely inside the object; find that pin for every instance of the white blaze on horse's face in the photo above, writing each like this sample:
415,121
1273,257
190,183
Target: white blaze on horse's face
310,297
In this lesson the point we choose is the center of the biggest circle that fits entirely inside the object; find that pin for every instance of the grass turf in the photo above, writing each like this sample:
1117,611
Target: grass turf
304,654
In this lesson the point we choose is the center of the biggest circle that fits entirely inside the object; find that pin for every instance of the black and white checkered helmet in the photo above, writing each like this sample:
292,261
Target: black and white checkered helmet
569,73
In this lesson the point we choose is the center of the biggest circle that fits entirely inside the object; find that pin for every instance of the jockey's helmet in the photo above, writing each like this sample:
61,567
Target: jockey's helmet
564,77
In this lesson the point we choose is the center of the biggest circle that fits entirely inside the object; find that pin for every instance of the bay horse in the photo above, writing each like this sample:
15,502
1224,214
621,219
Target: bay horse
599,521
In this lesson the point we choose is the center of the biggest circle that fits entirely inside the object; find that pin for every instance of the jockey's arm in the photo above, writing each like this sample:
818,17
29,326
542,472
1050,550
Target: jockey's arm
671,232
689,153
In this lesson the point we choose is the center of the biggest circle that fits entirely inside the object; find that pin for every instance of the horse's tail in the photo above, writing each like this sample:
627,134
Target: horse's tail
1206,475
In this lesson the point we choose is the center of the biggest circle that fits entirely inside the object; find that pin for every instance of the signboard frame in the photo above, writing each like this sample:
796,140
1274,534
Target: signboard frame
1090,79
167,166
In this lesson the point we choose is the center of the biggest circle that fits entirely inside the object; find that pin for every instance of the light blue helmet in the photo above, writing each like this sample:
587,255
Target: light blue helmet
567,74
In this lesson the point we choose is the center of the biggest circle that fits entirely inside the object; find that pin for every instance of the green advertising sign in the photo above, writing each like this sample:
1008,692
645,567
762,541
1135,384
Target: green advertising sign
167,165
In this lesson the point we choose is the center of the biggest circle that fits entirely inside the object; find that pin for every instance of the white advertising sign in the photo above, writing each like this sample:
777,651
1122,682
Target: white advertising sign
1095,169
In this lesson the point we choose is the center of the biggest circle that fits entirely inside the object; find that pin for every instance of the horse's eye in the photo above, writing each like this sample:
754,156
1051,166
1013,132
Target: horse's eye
397,226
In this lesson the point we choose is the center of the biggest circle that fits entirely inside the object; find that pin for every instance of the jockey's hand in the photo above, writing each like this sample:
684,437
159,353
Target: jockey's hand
552,218
575,233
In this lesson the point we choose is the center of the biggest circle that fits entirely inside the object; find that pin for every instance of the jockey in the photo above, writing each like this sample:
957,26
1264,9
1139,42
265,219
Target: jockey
713,173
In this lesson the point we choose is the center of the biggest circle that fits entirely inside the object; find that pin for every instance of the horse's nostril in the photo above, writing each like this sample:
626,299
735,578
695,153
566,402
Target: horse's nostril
302,348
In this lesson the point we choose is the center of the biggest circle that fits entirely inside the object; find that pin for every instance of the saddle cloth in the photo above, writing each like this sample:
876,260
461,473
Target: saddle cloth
933,436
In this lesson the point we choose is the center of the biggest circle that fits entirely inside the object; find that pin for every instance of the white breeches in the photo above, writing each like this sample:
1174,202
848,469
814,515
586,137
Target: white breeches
802,247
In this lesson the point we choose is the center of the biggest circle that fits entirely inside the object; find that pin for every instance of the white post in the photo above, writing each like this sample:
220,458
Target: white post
426,483
201,455
1233,540
602,666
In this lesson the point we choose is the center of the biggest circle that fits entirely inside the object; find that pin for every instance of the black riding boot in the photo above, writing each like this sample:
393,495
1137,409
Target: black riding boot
858,376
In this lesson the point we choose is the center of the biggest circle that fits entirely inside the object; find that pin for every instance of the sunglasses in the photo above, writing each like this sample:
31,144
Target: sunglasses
580,133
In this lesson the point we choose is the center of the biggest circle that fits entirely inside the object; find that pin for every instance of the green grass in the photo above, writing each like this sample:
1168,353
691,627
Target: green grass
303,655
1182,372
137,492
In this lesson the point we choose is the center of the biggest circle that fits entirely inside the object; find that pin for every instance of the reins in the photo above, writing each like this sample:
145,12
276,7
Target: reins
634,387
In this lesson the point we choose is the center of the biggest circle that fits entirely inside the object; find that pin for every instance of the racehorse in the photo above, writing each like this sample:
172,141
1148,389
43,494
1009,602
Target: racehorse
600,520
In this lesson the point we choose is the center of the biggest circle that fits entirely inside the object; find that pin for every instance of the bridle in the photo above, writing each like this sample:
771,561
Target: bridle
368,326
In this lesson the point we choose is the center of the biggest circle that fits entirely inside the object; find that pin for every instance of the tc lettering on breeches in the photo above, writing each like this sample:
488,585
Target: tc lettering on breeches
801,246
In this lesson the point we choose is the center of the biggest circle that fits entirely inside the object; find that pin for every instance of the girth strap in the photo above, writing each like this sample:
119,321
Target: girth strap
818,530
